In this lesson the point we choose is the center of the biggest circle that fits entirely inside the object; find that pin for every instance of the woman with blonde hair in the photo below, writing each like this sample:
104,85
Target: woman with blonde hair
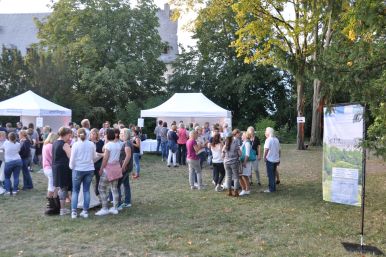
83,154
99,143
53,204
246,162
126,161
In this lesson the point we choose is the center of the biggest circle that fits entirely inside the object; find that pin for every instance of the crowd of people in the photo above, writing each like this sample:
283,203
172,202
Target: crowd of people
233,155
71,157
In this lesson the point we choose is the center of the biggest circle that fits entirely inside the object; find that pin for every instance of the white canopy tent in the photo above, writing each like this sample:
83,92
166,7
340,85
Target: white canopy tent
189,107
30,106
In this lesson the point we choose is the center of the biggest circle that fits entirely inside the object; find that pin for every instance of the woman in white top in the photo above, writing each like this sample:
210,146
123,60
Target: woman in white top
83,154
246,164
13,164
111,155
217,161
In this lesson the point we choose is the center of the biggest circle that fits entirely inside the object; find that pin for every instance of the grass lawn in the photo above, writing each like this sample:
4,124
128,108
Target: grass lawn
168,219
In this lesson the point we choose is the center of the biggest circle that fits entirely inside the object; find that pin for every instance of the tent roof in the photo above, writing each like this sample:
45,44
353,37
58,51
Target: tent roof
187,105
31,104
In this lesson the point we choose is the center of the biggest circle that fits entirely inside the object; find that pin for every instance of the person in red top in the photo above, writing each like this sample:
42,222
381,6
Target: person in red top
183,135
193,160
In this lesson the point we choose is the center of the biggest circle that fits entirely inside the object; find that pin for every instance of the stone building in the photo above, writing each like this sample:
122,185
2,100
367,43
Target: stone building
19,30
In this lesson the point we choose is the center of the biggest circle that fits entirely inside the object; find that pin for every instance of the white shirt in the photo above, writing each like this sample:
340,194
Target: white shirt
11,151
83,154
216,154
114,149
248,146
273,146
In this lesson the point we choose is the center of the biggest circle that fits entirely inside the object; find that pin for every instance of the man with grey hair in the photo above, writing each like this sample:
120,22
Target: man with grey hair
271,157
86,125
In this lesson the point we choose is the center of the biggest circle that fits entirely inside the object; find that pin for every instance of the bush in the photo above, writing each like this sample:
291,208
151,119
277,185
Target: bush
285,135
261,125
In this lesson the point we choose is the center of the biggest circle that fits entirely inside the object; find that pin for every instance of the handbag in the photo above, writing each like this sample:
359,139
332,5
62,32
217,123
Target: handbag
252,154
113,171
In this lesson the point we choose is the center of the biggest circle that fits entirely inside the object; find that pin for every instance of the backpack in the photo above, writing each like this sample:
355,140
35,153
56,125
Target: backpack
122,155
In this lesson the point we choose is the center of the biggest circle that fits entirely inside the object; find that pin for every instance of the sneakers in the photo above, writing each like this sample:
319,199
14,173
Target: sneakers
84,214
102,212
218,188
242,193
74,215
113,210
7,193
193,187
2,190
124,205
266,191
64,212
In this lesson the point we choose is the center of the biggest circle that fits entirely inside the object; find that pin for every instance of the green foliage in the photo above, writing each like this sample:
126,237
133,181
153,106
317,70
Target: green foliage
355,64
251,91
12,73
261,125
112,51
286,134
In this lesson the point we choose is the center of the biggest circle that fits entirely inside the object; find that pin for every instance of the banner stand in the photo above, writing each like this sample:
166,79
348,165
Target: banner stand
362,248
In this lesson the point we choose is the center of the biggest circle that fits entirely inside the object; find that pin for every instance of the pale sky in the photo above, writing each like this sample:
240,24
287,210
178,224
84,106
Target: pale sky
37,6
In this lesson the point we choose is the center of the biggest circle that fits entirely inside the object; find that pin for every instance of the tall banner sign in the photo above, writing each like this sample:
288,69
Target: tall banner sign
342,154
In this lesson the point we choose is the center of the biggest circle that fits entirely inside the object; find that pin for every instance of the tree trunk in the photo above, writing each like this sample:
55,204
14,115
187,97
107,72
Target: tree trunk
300,110
317,109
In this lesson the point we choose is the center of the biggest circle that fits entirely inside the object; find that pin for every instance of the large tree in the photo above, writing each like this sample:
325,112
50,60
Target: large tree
356,64
286,34
251,91
13,73
113,50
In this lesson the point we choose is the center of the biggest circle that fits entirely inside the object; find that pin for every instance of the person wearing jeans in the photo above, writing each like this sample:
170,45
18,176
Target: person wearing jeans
271,157
126,161
172,145
13,164
136,153
83,154
25,154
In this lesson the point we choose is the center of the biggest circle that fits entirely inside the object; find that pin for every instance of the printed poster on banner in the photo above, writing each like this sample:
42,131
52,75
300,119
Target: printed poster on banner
342,154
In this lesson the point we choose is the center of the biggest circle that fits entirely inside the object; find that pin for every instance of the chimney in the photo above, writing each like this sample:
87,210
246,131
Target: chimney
167,9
